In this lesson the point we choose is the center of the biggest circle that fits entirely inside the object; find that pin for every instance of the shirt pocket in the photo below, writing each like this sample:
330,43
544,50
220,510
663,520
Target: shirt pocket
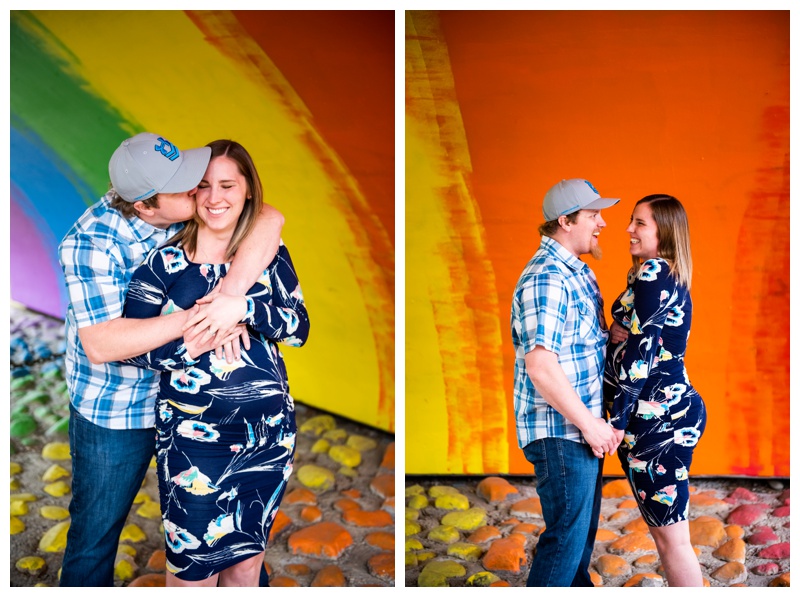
588,326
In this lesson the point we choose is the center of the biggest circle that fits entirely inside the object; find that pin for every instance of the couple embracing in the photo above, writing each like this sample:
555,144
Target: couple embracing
583,390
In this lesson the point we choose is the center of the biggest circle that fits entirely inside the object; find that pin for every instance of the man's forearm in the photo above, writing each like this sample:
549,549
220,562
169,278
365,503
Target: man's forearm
123,338
255,253
551,382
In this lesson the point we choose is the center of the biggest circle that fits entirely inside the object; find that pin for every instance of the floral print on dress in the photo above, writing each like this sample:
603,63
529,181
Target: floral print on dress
648,393
225,431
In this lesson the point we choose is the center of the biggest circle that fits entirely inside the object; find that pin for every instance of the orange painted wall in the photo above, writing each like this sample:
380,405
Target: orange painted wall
695,104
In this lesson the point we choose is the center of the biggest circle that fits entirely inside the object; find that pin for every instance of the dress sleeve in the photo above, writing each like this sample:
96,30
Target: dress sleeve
653,297
147,297
284,317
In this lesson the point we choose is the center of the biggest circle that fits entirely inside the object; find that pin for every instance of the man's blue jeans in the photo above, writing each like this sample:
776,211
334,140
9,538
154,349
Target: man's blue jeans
569,484
108,468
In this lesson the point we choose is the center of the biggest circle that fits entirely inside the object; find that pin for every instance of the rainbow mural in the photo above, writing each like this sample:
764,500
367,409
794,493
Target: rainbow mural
500,105
309,93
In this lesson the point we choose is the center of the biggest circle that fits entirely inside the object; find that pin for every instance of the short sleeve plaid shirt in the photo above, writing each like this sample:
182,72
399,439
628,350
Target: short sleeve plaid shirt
99,255
557,305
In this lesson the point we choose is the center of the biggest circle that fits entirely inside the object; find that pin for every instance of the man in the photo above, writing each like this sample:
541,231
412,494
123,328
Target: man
559,335
112,439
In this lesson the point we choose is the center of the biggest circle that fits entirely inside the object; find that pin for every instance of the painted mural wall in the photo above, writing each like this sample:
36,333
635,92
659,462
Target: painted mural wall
309,94
502,105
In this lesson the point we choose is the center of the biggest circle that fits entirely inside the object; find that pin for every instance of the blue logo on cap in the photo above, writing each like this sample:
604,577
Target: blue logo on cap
169,150
591,187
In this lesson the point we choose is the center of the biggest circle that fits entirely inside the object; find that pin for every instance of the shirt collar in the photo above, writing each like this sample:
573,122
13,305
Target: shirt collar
558,251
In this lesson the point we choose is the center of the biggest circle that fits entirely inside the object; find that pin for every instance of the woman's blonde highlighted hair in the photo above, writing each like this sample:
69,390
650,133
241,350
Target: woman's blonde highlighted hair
672,227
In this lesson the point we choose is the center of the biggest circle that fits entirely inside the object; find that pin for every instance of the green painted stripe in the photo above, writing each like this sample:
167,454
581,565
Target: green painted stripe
60,107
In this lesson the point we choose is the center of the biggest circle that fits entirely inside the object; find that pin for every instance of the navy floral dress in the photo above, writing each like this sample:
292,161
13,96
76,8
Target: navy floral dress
648,393
225,432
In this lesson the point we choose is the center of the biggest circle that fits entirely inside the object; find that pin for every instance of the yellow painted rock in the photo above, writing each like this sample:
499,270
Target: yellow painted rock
466,521
54,473
54,512
131,532
436,573
440,490
153,462
18,508
418,502
15,468
33,565
411,559
444,534
454,501
17,526
423,556
129,550
14,485
315,477
150,509
345,455
142,497
412,528
318,425
415,490
55,539
361,443
57,489
56,451
25,497
321,446
412,514
125,568
482,579
413,544
468,552
335,435
348,472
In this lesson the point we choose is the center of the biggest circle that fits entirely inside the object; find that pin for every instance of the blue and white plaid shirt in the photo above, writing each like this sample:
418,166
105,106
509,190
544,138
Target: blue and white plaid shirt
99,255
557,305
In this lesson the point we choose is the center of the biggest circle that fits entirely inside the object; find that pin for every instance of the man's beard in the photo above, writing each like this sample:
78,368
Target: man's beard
596,252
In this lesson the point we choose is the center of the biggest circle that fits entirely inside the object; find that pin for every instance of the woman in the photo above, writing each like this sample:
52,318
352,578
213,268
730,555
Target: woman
226,431
647,390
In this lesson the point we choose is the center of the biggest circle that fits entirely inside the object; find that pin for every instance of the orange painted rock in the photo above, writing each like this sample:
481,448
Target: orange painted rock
329,576
324,539
495,489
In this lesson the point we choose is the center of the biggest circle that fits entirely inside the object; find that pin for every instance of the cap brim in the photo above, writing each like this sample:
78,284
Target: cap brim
601,204
191,171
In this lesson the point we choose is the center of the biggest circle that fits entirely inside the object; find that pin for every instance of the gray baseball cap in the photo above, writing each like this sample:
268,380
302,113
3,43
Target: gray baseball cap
571,195
147,164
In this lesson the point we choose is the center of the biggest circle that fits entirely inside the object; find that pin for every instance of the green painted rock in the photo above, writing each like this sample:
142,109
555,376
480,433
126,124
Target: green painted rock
59,427
22,426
